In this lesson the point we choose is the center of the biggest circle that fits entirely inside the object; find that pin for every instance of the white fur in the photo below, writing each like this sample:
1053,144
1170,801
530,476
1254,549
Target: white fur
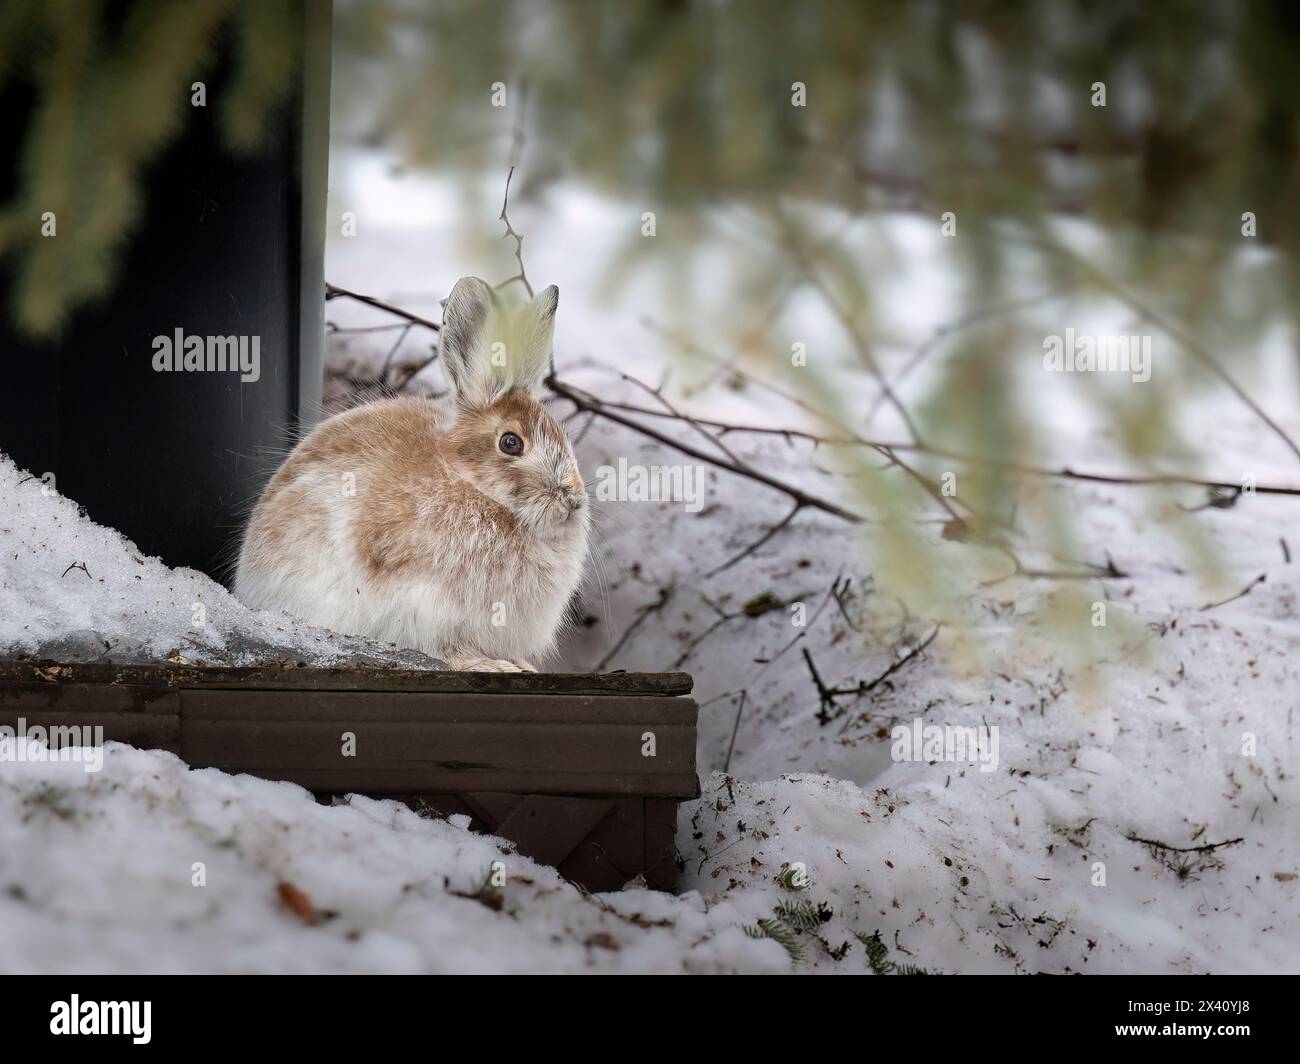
300,550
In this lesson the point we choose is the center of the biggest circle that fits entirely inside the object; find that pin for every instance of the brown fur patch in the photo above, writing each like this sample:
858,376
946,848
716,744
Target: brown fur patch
413,479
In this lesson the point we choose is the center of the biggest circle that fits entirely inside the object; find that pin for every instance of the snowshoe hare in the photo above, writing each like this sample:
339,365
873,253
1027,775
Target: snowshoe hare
460,529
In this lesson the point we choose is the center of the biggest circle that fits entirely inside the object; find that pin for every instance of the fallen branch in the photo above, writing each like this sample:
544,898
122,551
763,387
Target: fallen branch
829,696
1240,594
1109,571
735,728
1189,860
824,693
665,593
757,543
865,686
1209,847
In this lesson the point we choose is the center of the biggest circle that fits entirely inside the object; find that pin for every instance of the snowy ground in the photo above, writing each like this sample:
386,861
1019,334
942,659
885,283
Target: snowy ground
1137,734
71,590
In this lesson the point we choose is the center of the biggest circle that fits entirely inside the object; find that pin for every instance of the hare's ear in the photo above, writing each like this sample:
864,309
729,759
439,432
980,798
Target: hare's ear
489,348
538,339
460,346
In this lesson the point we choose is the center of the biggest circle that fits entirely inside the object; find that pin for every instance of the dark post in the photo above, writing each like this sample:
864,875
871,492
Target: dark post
228,246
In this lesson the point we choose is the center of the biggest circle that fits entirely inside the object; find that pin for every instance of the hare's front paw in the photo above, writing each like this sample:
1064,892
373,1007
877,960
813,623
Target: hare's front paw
525,666
484,665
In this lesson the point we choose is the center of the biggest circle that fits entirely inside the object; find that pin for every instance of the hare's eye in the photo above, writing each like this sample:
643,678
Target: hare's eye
511,444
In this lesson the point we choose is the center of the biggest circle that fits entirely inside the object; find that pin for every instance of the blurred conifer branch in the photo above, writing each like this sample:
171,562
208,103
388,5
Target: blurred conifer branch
107,97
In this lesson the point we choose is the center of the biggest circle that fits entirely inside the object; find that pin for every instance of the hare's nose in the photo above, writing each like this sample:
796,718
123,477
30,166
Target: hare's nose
576,500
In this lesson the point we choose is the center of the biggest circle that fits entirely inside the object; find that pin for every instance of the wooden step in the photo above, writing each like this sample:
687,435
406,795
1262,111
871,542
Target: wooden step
579,771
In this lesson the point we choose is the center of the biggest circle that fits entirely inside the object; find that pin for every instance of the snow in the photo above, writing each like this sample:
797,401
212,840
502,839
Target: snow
72,590
1140,730
98,873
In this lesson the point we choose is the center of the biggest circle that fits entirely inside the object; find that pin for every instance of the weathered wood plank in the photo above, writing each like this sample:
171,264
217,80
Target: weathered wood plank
143,717
613,853
386,707
548,827
660,843
289,676
526,735
547,746
491,809
542,758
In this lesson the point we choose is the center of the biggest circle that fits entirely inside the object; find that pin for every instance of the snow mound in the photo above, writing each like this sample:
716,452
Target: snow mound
72,590
150,866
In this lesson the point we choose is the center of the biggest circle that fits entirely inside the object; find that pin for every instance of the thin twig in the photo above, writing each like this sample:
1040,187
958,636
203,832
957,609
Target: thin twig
504,217
665,593
847,322
946,331
1208,847
657,394
1109,571
586,401
755,608
1170,328
866,686
825,695
383,373
726,765
1240,594
333,291
838,593
850,438
757,543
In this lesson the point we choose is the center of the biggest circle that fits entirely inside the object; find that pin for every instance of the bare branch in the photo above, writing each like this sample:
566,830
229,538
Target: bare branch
847,322
665,593
849,438
852,439
966,321
522,275
657,394
333,291
585,401
758,542
383,373
866,686
1170,328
